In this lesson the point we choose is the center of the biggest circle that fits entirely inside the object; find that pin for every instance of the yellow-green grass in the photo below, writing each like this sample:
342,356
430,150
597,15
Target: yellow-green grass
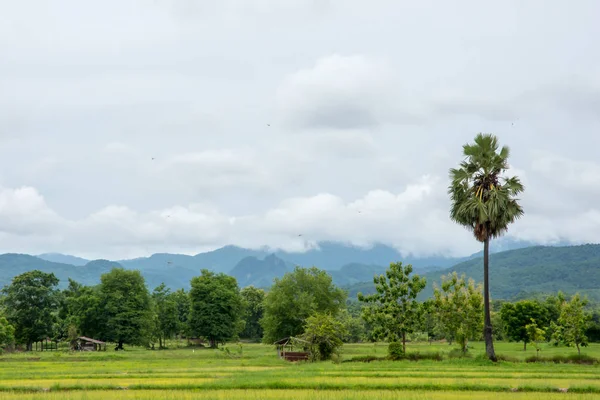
257,372
294,395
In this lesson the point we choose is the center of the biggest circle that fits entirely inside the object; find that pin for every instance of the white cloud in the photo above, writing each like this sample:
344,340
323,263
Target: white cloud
340,92
124,112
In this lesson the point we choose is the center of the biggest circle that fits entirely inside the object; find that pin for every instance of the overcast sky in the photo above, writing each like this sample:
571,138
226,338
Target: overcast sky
132,127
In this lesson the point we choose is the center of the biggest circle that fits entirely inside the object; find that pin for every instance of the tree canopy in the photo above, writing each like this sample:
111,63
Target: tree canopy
31,301
459,306
216,307
394,310
253,306
125,308
297,296
516,317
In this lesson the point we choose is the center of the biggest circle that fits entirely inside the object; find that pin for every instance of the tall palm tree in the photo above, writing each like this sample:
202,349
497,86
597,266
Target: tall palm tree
484,201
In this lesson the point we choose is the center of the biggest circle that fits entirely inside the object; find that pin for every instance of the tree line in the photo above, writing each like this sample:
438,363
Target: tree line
302,304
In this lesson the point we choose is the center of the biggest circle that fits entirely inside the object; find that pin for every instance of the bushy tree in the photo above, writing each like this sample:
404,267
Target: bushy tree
535,334
31,301
394,310
516,316
253,307
216,307
295,297
484,201
81,308
125,308
182,304
165,308
572,323
7,333
325,334
459,308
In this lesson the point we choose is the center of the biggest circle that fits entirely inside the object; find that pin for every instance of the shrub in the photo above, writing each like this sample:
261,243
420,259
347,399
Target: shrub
395,351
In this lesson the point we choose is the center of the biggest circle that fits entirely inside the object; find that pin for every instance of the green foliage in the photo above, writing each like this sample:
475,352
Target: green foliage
484,201
354,326
125,308
30,301
396,351
216,307
165,308
516,317
295,297
535,334
7,333
182,304
325,334
572,323
253,306
394,310
80,307
459,309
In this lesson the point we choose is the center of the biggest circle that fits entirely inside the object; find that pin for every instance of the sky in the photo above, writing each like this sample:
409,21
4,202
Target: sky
129,127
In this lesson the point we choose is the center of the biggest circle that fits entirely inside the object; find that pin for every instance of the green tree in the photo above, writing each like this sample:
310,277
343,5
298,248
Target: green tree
295,297
459,306
7,333
81,308
30,302
216,307
395,310
165,308
325,334
182,304
573,322
535,334
516,316
253,306
484,201
125,308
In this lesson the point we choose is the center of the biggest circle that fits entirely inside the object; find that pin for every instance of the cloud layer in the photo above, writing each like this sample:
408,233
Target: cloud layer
135,127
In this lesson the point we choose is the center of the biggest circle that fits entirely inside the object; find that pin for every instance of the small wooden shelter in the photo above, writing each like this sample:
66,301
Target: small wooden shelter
88,344
285,349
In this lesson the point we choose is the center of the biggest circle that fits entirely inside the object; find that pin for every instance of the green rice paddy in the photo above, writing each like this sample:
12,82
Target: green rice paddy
256,372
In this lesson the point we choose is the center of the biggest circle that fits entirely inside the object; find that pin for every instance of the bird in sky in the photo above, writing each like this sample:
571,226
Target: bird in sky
268,124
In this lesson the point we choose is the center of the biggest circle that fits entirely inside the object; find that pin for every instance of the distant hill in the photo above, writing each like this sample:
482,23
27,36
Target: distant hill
63,259
260,273
12,265
516,273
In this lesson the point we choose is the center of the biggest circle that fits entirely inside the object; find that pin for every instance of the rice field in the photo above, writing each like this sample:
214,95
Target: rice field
254,372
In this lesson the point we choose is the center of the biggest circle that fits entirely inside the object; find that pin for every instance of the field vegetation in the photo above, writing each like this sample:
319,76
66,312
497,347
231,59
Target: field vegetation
254,371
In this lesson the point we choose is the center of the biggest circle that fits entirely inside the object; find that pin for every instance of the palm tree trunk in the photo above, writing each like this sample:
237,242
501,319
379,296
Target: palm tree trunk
487,329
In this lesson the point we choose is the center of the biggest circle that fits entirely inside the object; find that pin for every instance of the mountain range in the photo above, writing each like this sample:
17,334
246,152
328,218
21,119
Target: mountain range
515,272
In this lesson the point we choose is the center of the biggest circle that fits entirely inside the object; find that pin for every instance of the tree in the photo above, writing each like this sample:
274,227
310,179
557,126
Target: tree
125,308
81,308
484,201
7,333
535,334
182,304
31,301
395,310
516,316
459,306
573,322
216,307
294,298
165,309
253,306
325,334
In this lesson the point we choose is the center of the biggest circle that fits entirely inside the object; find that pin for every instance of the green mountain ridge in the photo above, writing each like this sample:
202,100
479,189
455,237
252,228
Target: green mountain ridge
536,269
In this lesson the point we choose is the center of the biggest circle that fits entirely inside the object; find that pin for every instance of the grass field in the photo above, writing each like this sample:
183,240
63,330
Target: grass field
257,373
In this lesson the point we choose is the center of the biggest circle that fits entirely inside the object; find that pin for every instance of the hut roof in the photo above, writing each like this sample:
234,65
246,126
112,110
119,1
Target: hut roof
87,339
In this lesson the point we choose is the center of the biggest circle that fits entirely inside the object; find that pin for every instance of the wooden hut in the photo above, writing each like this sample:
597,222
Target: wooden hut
285,349
88,344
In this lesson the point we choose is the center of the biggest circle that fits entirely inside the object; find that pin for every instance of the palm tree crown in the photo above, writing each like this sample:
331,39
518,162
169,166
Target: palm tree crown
483,200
